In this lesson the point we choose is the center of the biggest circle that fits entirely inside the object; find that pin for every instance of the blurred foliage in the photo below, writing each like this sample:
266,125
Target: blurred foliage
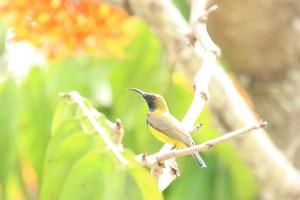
61,27
79,166
2,37
47,154
8,120
2,50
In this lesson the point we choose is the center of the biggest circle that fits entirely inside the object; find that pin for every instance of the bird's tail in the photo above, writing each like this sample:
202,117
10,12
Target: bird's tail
199,160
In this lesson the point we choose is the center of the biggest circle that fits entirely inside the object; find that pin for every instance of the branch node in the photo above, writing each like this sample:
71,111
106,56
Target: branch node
191,38
174,170
159,163
144,156
64,94
118,133
194,87
209,145
262,123
203,17
204,95
196,128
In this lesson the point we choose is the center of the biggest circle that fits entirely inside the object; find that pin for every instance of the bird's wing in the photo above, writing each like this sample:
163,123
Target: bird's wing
170,126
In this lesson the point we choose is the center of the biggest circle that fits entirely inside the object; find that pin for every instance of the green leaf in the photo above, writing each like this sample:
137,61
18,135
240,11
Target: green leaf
59,163
94,176
9,105
36,119
144,180
146,183
64,112
40,95
78,164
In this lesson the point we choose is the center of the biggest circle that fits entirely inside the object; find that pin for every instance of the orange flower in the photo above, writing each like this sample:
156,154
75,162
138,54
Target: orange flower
68,27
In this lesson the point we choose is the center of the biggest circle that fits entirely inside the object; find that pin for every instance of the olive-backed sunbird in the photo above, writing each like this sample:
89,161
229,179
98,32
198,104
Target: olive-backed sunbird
164,126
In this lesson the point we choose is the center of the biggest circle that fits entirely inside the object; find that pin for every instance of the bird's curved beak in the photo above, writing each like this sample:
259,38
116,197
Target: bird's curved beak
147,96
139,91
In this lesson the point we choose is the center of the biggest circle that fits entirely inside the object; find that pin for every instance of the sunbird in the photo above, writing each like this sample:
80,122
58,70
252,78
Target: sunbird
164,126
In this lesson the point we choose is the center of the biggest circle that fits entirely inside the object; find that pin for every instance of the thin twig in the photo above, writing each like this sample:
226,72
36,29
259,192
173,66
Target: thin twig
75,96
154,159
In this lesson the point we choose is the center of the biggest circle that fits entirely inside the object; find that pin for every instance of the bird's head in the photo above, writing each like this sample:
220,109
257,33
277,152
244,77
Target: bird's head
155,101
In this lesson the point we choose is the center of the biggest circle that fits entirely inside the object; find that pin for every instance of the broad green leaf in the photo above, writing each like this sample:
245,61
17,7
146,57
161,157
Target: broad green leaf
146,183
59,163
9,105
36,119
65,111
144,180
40,95
78,165
93,176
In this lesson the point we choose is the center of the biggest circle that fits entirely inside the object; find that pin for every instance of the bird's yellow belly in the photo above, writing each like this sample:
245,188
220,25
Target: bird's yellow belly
166,139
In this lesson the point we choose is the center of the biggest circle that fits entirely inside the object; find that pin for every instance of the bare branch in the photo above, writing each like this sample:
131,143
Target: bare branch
201,96
159,157
196,128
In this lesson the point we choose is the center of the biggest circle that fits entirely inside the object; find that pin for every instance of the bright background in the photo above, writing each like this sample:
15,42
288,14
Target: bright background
100,51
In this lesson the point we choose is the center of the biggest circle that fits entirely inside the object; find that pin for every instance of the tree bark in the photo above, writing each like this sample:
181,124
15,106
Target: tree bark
260,39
